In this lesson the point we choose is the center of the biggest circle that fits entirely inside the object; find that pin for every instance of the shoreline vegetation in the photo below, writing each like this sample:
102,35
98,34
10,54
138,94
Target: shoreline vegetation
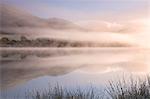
51,42
132,88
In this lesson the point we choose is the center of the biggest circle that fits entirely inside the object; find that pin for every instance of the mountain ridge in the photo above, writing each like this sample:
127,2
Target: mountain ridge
15,17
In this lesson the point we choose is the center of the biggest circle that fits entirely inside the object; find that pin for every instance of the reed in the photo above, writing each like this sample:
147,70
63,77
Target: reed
59,92
131,88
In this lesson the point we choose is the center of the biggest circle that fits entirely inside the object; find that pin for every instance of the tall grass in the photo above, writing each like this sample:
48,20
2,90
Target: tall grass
131,88
58,92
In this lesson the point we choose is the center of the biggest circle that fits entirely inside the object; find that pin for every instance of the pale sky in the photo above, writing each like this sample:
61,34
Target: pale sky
85,9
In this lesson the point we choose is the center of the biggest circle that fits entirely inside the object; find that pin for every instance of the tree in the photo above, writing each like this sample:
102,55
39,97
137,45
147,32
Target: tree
4,40
23,38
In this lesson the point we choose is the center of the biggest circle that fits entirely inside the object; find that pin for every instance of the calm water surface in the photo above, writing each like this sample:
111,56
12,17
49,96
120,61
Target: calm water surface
24,69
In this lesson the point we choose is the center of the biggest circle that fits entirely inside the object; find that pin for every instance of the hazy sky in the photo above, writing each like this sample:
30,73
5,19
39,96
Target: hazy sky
119,16
85,9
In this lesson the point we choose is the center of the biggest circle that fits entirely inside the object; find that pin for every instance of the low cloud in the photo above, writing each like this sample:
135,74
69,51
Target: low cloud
133,26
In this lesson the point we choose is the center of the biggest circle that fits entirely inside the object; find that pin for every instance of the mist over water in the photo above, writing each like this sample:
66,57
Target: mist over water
37,67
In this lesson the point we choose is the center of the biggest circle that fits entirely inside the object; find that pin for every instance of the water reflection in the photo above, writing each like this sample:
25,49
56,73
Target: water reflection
21,65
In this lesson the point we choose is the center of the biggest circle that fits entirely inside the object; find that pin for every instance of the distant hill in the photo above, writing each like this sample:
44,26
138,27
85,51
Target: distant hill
58,23
14,18
17,22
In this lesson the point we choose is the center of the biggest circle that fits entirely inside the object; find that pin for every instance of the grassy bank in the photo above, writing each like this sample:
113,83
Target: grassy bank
59,92
132,88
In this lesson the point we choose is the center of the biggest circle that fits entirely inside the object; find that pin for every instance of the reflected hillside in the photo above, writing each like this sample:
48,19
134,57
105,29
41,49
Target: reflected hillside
12,76
21,65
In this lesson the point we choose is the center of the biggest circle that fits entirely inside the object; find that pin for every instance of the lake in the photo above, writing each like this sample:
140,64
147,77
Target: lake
27,69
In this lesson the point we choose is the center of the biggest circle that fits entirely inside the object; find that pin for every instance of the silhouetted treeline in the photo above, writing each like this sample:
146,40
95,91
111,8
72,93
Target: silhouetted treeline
49,42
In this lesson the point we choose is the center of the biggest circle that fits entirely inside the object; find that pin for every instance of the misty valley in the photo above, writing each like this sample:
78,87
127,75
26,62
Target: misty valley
74,49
